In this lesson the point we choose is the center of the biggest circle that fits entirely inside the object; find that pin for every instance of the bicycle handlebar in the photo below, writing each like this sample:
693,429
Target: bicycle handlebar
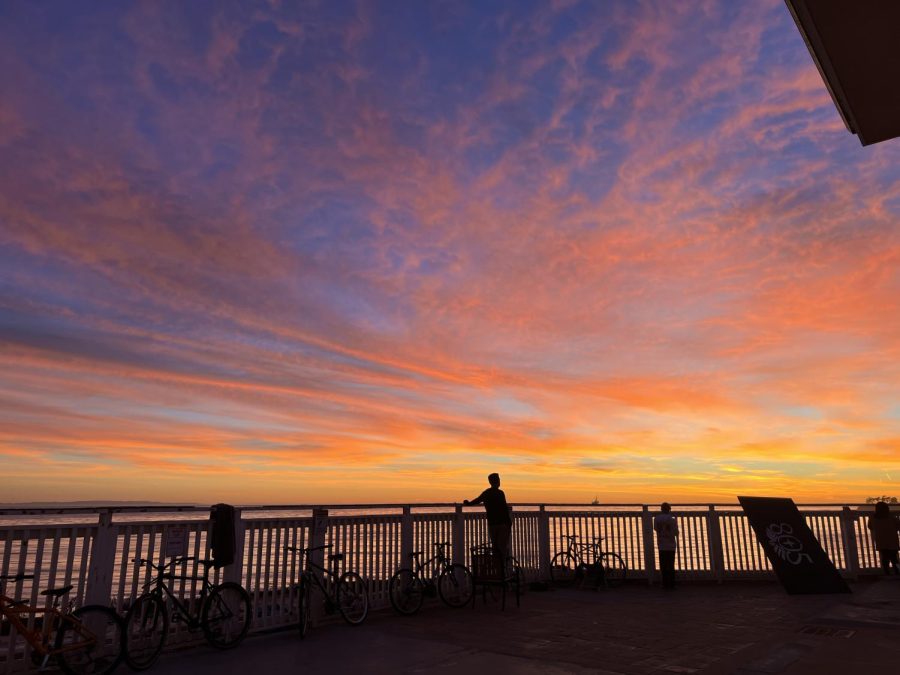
16,577
298,549
574,537
174,561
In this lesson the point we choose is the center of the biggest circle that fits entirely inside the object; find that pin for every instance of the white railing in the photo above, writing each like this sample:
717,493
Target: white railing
93,549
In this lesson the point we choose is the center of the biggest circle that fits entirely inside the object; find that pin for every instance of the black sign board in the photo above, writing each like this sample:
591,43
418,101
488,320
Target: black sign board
800,563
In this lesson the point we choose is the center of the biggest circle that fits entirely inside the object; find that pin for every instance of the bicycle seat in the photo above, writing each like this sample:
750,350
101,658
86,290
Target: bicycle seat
336,556
206,562
57,592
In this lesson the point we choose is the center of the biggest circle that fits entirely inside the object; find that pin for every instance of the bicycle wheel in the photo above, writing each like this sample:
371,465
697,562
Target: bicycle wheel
406,592
303,607
455,585
146,629
90,640
563,569
352,598
225,615
614,569
302,590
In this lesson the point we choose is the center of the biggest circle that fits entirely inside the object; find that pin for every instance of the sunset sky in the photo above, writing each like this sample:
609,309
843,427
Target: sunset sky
341,252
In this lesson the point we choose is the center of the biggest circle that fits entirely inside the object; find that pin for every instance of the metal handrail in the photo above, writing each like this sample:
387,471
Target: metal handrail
181,508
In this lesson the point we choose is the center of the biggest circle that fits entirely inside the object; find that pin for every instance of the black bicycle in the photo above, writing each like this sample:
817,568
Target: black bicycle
451,581
580,560
346,593
224,615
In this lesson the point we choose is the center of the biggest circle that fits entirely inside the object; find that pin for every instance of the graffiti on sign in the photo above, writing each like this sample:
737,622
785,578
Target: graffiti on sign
785,545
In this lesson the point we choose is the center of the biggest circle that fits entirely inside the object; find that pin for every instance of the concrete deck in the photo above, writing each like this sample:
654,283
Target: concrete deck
742,628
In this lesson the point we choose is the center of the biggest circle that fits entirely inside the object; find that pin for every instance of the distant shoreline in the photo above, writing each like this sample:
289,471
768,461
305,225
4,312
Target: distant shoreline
86,503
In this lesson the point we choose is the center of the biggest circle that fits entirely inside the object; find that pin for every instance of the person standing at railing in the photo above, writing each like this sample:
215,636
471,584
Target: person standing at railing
884,528
499,521
667,541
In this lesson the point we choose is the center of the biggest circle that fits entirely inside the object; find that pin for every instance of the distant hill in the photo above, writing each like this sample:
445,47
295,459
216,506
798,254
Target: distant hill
83,504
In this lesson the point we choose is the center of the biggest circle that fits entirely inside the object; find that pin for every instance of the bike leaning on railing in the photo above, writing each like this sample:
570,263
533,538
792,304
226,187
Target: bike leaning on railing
90,639
580,558
347,593
224,615
409,585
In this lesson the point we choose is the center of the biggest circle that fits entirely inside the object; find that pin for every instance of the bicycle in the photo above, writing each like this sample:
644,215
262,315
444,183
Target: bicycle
579,559
224,615
347,594
90,639
409,586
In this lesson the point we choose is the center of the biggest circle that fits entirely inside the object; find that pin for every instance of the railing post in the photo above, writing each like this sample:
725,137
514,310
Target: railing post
317,536
459,536
544,542
714,537
102,562
848,538
235,571
406,537
649,553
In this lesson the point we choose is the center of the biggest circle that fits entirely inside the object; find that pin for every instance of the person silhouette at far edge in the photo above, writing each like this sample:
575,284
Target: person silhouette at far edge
884,528
667,541
499,522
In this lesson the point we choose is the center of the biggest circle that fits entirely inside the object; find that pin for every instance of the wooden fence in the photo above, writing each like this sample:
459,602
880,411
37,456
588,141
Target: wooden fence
93,549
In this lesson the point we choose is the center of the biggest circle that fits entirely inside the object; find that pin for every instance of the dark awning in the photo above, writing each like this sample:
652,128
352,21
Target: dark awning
856,47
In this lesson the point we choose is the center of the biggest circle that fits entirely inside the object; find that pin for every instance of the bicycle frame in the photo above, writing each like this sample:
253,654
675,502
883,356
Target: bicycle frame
330,576
438,562
577,549
40,640
161,589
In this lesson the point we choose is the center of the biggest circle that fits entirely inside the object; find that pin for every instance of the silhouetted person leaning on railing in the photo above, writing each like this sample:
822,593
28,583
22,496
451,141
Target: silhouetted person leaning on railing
667,541
499,522
884,528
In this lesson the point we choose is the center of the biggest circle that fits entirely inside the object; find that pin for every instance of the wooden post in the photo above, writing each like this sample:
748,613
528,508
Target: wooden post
317,537
649,548
544,543
407,526
848,538
714,537
102,562
235,571
459,536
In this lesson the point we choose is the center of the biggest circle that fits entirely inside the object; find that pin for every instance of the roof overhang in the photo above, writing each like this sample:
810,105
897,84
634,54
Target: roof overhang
856,47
